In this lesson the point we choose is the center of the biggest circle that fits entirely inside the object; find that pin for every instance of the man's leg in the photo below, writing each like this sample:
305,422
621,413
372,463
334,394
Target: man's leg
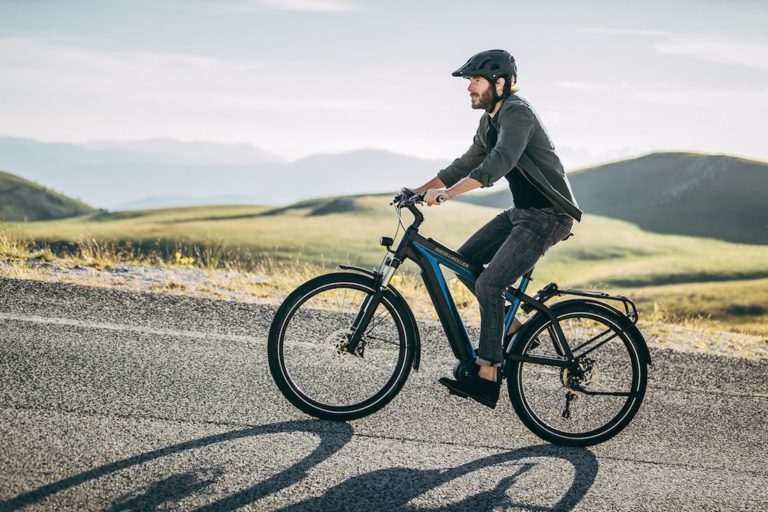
532,234
529,239
482,245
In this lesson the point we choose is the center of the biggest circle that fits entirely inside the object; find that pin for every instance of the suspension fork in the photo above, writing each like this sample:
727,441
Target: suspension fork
371,302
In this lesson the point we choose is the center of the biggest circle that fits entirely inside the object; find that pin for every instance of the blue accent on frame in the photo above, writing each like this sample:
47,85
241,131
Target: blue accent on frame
515,304
435,260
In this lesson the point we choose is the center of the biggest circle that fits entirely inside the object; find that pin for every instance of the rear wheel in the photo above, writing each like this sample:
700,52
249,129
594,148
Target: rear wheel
592,401
307,351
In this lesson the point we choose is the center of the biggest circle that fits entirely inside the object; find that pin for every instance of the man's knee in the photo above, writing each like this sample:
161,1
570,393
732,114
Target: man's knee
486,287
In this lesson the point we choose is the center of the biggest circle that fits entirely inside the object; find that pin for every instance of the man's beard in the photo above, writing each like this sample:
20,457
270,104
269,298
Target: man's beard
484,101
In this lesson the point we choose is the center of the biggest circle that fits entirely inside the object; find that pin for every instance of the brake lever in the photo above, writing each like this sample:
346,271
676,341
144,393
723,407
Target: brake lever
401,202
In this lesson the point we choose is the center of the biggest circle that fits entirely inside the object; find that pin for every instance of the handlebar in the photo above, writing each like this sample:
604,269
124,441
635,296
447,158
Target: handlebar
407,198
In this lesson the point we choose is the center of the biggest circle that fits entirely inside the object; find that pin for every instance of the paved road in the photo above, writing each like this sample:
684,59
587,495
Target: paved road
121,401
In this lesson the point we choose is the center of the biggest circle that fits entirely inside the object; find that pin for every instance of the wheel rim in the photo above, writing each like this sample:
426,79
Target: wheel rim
311,353
609,364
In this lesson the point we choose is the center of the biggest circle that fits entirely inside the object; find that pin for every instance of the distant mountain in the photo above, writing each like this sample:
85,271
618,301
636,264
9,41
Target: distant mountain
22,200
112,177
714,196
200,152
150,203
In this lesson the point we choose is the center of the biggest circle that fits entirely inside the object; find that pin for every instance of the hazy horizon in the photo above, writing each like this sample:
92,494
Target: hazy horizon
96,143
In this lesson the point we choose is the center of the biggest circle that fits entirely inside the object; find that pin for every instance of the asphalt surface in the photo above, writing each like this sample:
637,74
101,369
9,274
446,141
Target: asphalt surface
125,401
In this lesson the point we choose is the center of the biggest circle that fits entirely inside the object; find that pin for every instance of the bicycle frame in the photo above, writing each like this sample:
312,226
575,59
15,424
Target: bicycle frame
430,255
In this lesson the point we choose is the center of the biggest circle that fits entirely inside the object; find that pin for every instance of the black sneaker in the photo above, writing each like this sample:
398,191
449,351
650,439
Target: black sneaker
480,390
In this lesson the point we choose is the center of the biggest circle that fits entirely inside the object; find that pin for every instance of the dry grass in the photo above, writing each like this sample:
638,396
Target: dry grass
228,274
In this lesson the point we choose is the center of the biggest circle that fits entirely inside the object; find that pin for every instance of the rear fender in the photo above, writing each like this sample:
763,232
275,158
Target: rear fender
626,324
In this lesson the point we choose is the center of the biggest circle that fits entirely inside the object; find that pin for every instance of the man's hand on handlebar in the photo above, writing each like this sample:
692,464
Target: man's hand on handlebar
432,196
436,196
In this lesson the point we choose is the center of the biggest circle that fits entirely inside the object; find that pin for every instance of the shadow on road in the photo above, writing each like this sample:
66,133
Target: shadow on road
393,489
390,488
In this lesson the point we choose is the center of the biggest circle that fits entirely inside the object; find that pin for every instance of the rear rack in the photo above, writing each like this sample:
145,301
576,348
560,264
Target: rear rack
552,290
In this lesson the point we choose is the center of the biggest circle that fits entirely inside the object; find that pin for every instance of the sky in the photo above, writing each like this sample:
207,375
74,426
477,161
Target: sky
609,79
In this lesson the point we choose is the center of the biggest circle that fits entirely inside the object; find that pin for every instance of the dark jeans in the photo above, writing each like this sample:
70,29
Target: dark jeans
511,244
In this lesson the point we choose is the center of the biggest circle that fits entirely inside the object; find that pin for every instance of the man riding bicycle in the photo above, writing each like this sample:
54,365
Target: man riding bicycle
512,143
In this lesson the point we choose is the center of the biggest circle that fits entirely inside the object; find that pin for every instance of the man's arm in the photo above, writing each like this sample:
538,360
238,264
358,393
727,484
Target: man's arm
433,183
463,185
515,131
461,167
458,169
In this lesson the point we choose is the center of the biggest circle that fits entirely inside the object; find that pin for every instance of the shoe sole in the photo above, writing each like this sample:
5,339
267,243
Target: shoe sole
445,382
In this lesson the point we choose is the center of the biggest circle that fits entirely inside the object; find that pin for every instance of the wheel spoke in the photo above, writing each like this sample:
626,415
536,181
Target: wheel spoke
369,336
596,346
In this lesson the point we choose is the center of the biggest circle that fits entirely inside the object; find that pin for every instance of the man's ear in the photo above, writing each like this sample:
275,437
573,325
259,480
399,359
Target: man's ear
500,83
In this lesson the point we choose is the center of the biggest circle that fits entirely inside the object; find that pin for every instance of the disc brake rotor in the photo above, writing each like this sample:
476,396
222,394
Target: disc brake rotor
577,379
335,352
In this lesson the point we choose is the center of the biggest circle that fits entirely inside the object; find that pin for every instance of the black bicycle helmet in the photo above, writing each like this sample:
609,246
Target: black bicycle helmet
491,64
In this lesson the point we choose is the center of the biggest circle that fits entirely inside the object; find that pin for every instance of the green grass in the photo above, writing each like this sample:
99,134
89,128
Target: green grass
685,277
604,252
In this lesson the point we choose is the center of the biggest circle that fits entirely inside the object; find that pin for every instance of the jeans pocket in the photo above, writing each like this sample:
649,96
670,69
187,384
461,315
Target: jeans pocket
560,230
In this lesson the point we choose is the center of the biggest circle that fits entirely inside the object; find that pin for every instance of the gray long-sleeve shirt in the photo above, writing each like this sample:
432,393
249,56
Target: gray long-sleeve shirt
522,146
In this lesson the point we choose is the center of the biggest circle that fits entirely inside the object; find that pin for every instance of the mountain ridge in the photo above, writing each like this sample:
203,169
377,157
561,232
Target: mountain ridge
108,177
707,195
23,200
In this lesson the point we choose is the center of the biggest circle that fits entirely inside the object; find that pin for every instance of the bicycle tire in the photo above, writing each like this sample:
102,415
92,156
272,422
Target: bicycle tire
314,388
531,389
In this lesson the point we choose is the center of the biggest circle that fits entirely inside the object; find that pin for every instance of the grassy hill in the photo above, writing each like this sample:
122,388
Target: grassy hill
23,200
604,252
712,196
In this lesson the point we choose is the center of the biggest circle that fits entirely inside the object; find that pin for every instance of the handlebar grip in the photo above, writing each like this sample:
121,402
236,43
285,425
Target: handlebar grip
441,198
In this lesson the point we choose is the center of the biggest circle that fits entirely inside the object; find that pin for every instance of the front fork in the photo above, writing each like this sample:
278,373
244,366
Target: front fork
371,302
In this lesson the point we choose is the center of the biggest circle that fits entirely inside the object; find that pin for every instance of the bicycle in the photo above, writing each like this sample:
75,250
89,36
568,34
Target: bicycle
342,345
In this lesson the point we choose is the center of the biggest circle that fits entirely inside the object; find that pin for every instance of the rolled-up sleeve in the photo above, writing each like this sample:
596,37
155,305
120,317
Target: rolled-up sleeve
515,131
462,166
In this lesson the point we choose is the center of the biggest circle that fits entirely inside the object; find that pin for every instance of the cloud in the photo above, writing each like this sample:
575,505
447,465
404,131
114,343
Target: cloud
624,31
740,100
753,55
754,99
52,52
161,79
583,86
286,5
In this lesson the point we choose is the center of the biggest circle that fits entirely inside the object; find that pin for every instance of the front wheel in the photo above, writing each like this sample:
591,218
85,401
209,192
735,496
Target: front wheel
593,400
307,348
